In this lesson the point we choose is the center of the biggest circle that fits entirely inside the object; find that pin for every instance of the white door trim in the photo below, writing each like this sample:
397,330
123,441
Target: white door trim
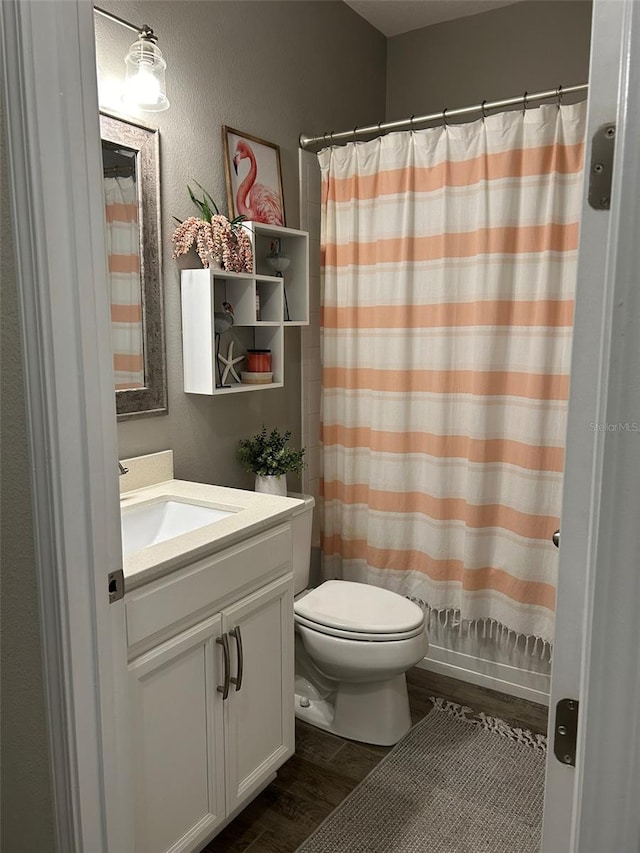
608,790
593,807
50,93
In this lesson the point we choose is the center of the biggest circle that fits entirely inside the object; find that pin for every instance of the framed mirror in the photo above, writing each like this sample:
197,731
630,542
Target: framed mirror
130,155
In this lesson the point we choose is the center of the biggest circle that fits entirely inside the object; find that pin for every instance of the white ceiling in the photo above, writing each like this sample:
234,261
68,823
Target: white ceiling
393,17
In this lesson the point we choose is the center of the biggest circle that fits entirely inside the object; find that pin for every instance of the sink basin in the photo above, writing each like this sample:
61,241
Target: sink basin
156,522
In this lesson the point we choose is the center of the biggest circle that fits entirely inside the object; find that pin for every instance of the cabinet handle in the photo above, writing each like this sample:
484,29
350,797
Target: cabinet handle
224,642
235,632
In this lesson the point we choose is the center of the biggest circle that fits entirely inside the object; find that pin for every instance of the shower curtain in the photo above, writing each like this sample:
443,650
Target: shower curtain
449,270
123,256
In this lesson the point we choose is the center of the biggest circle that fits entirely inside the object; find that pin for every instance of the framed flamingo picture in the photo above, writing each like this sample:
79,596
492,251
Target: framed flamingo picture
254,178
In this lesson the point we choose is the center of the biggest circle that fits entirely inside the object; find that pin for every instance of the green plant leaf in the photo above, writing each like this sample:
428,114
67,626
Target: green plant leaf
197,203
269,455
208,198
238,220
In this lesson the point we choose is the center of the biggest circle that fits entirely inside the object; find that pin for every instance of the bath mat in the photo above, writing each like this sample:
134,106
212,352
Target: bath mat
458,782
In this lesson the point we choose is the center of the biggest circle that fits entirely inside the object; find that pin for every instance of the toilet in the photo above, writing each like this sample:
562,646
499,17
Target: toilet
354,644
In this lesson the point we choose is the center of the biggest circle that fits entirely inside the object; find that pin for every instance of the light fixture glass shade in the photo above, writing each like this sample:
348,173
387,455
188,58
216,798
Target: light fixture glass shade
144,86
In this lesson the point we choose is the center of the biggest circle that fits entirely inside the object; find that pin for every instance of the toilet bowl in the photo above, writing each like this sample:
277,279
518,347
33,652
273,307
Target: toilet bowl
354,644
361,639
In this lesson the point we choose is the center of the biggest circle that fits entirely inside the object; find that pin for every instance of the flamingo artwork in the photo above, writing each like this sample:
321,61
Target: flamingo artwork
256,201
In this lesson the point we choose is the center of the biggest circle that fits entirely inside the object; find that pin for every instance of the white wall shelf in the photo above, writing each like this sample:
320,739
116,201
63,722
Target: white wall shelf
283,301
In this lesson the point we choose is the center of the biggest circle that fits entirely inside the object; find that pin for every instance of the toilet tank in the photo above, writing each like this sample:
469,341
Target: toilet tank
301,525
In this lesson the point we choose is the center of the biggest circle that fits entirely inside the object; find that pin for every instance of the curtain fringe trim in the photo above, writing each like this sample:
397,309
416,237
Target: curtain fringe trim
495,725
485,628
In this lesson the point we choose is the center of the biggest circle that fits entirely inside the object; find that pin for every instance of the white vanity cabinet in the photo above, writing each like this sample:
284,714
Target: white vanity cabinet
258,717
177,741
210,690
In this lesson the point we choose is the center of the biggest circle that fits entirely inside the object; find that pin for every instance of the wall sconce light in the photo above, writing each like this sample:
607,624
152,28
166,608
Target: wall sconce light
144,80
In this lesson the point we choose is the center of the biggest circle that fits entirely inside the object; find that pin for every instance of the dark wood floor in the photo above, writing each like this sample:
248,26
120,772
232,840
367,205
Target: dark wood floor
326,768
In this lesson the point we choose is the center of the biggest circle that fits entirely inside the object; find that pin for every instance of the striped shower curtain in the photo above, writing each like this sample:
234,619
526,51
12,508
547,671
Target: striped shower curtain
123,257
449,271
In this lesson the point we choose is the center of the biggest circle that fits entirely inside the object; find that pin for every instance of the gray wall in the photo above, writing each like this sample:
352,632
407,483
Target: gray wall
26,819
529,46
274,70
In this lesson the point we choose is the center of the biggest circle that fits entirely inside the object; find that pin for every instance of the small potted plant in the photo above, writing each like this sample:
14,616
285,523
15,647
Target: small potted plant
268,456
217,240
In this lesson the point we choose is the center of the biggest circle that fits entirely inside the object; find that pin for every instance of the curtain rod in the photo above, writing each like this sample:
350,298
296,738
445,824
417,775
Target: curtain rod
443,115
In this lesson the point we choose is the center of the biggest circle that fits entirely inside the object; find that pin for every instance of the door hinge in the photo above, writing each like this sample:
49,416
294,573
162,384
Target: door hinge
116,585
601,167
566,732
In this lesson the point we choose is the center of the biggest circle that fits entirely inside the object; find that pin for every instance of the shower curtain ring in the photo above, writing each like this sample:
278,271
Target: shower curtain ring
331,137
355,134
559,95
324,137
444,117
411,127
484,111
524,101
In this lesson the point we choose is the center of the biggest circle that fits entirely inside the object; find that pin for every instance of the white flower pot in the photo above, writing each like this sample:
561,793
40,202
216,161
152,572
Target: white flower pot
272,485
191,261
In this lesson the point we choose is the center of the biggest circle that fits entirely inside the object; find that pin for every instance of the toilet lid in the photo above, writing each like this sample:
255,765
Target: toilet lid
360,608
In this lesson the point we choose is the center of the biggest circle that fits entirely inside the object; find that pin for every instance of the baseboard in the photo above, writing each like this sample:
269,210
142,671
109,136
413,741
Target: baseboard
534,686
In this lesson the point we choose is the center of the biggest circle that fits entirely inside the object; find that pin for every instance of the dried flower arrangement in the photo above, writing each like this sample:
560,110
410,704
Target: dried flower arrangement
269,455
215,236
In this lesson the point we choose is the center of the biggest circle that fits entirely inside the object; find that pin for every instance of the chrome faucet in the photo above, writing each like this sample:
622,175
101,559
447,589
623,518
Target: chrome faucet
123,470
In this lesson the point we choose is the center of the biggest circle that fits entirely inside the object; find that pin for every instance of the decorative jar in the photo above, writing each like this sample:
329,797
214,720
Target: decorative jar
258,360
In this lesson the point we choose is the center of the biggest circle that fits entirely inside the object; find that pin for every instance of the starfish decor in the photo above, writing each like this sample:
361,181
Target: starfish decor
229,363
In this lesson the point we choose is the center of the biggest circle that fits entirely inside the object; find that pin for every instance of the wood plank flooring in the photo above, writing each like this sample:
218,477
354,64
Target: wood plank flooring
326,768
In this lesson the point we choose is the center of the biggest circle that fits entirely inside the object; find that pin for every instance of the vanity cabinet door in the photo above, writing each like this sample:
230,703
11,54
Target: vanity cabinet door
259,713
178,740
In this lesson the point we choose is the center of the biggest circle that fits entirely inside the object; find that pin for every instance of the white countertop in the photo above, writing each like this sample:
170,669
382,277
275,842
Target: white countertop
253,512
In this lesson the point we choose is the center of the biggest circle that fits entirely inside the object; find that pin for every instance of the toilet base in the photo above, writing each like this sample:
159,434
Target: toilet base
375,713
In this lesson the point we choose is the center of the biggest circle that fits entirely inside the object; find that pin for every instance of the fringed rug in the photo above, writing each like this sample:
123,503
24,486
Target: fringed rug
456,783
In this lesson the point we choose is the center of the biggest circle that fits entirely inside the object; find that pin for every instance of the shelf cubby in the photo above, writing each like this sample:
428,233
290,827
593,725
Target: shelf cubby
295,279
283,301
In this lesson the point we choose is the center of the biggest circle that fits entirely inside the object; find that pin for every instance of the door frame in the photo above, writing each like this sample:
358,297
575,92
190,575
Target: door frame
54,157
55,176
594,806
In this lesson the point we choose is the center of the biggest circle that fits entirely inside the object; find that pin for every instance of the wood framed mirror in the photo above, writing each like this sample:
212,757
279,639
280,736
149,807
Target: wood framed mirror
130,154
